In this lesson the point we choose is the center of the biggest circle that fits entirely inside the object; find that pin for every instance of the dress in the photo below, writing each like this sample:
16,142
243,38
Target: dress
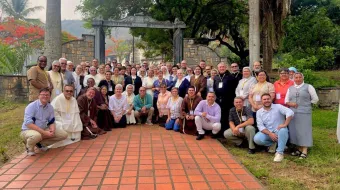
104,117
130,119
243,89
261,88
57,82
300,127
66,113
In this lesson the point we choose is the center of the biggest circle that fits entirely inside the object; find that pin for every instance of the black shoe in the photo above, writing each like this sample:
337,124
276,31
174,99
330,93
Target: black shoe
199,137
214,136
251,151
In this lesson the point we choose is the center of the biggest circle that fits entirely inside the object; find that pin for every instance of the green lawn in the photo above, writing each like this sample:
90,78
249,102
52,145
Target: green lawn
319,171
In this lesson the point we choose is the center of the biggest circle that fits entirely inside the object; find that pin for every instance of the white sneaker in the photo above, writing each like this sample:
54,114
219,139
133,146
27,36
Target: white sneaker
43,148
149,123
29,153
278,157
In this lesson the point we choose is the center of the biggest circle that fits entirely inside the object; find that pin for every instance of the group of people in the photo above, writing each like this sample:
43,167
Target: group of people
92,99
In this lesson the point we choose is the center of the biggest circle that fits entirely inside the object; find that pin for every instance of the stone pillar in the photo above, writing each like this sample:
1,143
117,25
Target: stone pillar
178,46
99,42
254,31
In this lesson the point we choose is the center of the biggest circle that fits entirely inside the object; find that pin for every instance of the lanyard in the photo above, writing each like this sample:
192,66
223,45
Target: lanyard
240,117
222,77
191,103
88,107
259,87
142,100
244,83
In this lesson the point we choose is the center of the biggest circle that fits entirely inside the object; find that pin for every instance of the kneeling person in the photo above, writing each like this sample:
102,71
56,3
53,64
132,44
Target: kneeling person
272,121
143,106
67,117
240,122
39,124
208,116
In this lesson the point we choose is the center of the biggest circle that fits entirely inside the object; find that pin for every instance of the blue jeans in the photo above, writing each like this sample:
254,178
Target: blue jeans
264,140
172,125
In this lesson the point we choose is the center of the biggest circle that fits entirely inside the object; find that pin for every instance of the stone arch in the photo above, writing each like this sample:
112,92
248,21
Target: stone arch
193,53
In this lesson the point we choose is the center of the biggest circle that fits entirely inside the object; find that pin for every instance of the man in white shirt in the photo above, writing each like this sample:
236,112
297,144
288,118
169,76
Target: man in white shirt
272,122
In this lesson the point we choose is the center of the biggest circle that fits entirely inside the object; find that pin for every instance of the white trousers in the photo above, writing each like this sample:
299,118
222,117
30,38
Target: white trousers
202,124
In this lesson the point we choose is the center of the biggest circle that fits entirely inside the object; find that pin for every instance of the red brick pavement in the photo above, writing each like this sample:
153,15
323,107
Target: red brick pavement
137,157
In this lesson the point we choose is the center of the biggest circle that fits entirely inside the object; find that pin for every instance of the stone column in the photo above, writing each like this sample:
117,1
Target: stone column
99,41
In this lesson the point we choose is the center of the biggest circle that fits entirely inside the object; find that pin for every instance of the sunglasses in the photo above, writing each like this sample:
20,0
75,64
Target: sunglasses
69,91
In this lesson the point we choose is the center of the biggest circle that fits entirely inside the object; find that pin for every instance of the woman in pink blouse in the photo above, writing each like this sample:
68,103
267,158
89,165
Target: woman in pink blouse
162,100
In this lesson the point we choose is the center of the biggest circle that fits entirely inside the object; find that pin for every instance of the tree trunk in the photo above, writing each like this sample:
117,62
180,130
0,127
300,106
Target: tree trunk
52,47
254,31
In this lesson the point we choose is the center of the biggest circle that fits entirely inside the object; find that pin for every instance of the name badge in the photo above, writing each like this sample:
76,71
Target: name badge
241,92
278,96
57,91
191,112
244,118
220,85
258,98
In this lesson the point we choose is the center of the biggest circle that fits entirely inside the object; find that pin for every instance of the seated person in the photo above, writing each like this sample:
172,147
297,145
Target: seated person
67,117
110,85
174,110
272,121
118,106
240,122
39,124
189,104
143,106
208,116
88,115
130,113
104,116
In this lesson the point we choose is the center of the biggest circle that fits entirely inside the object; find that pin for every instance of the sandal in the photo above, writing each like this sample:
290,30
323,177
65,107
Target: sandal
296,153
303,156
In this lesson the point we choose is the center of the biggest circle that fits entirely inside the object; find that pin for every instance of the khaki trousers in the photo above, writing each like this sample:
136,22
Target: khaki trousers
149,112
32,137
249,133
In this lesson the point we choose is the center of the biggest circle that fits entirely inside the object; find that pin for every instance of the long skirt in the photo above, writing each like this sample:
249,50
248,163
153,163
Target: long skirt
300,130
188,127
130,119
121,123
105,120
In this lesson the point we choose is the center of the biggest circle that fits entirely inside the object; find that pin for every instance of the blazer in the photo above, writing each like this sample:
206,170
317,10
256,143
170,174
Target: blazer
183,88
106,83
137,82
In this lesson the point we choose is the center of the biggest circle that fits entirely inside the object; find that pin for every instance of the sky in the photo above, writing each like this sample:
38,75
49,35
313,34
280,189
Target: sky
67,10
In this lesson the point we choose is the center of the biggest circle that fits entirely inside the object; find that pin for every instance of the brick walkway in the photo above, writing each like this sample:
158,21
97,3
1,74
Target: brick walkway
132,158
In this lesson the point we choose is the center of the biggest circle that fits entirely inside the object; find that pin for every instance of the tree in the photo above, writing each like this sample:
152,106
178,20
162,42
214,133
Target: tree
52,46
19,10
120,48
12,58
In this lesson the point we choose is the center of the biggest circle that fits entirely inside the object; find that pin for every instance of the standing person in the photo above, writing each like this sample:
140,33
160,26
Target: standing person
281,87
156,89
165,72
67,117
95,63
188,107
174,111
183,66
210,80
39,124
83,66
148,82
67,75
78,80
208,116
56,79
235,71
130,114
100,75
143,106
38,79
182,83
104,117
70,66
292,71
108,67
241,123
300,98
173,77
199,82
189,73
272,122
142,74
260,88
92,75
108,83
136,81
244,86
162,102
224,86
118,107
116,77
88,115
202,65
169,67
207,71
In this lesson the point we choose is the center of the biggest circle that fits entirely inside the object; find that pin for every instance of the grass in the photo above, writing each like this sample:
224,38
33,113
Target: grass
11,117
319,171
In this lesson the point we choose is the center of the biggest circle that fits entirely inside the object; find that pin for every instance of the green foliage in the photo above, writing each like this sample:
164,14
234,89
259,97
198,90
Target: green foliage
12,59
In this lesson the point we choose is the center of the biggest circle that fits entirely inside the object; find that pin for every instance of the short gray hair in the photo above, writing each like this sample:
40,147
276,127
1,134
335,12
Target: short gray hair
62,59
119,86
55,62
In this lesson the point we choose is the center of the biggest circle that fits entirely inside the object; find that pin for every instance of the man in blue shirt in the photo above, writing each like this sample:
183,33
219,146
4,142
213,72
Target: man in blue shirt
39,124
272,121
143,106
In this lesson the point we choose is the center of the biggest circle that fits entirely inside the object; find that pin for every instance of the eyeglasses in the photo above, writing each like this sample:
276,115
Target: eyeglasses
46,95
283,73
56,66
69,91
234,66
42,61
